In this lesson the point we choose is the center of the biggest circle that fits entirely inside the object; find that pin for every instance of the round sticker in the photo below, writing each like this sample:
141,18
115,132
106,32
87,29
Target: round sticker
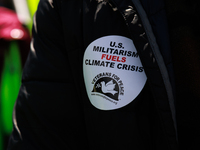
113,73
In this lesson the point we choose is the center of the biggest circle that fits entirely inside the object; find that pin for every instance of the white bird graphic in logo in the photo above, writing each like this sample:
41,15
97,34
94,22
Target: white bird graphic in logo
108,87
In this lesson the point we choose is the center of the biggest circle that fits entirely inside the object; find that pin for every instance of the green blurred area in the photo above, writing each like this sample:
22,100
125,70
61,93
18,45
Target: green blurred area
9,87
32,5
10,84
11,79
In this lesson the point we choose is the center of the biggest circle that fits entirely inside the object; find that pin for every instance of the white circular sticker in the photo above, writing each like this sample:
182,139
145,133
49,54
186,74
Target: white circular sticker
113,73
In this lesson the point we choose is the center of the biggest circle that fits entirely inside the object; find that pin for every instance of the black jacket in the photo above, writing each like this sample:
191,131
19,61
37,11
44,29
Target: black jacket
79,47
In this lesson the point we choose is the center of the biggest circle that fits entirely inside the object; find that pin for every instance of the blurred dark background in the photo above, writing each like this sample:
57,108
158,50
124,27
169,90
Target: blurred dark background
15,34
